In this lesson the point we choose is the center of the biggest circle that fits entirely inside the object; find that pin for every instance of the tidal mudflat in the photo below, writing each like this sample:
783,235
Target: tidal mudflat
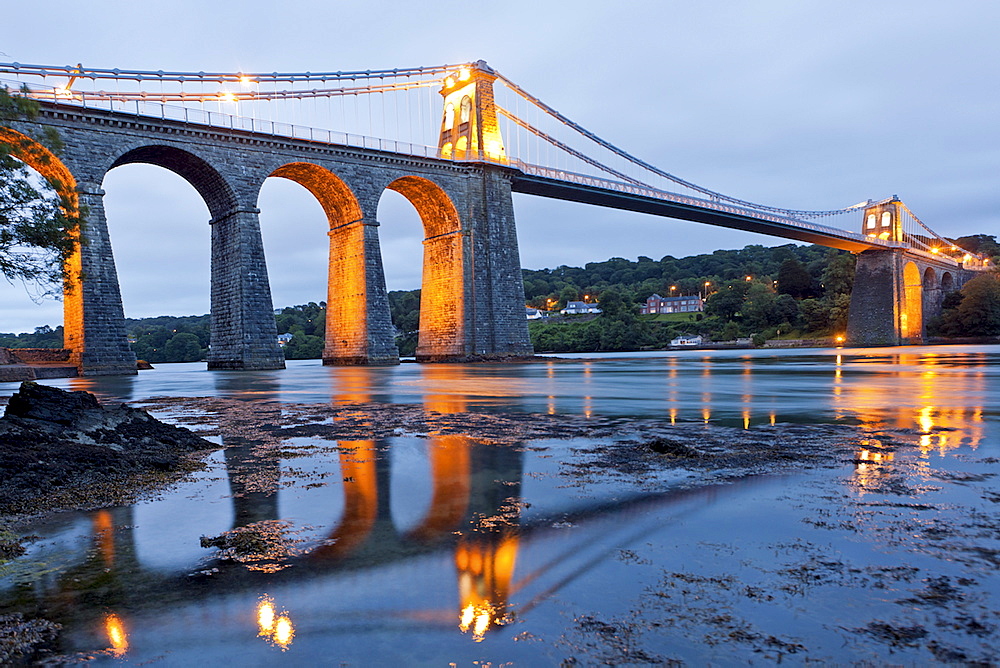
854,524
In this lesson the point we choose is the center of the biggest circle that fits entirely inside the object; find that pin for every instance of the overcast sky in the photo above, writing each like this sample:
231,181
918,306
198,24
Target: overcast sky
799,104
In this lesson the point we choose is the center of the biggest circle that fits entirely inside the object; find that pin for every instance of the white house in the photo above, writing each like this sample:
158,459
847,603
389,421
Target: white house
685,341
575,308
533,313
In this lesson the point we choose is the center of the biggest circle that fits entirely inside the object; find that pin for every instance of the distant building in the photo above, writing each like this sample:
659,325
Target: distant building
533,313
683,304
686,341
575,308
283,339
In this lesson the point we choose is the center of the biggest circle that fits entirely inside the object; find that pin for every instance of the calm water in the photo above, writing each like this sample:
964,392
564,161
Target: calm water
403,558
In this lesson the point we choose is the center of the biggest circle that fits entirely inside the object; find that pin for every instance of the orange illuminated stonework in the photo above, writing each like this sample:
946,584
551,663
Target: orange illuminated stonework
469,128
50,168
354,281
444,284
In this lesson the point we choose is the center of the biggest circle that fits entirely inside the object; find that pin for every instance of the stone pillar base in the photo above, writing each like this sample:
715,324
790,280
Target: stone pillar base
486,357
246,365
360,360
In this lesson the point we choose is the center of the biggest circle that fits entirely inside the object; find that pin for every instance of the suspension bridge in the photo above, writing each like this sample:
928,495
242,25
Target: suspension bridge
456,140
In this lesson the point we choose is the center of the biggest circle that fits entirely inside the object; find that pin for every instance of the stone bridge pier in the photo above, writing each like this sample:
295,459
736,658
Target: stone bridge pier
896,292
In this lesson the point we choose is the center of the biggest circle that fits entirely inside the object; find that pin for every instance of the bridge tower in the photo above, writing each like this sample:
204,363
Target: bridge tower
896,290
472,295
469,127
884,221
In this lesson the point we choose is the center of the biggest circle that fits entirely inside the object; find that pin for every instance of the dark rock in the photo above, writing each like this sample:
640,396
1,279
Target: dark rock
143,365
51,439
668,446
49,404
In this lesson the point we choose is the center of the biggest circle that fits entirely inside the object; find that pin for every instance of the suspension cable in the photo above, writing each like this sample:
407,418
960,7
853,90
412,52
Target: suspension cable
576,154
659,172
80,72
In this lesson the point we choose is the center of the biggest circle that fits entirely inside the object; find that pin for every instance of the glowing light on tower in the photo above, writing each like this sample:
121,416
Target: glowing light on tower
469,129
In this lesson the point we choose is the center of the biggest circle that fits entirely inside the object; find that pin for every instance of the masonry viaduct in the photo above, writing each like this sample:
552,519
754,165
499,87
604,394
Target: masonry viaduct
472,296
471,291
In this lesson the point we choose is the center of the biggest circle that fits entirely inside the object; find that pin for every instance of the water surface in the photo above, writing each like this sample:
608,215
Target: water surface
429,549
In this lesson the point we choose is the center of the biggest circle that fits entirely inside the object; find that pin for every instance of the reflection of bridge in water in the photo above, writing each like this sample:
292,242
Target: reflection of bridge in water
482,139
474,515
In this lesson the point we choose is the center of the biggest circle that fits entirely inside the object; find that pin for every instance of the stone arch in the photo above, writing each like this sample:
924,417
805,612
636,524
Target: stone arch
57,174
443,285
337,199
43,161
349,280
243,332
947,282
206,179
911,316
930,279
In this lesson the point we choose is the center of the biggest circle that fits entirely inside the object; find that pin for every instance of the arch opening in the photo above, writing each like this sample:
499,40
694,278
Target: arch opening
49,171
158,218
930,279
911,323
443,274
343,335
947,282
218,195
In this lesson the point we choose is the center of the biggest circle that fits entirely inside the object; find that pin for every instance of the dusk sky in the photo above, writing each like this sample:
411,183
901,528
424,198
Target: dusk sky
791,103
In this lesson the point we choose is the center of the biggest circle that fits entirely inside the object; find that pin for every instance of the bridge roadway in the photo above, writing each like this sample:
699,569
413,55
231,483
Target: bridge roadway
534,180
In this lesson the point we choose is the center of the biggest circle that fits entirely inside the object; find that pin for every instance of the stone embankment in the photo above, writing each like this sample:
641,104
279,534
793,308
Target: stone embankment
20,364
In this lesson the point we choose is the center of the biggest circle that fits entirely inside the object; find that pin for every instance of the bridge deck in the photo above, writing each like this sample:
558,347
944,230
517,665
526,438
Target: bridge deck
652,202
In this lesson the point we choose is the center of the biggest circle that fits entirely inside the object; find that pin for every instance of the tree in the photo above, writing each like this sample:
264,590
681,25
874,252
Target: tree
304,347
978,311
38,224
183,347
794,279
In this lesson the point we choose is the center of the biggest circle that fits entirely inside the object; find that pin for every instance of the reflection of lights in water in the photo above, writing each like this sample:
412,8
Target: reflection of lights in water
283,632
867,464
588,409
552,405
265,617
104,528
116,634
485,567
276,629
673,416
926,419
477,618
468,614
774,418
746,419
